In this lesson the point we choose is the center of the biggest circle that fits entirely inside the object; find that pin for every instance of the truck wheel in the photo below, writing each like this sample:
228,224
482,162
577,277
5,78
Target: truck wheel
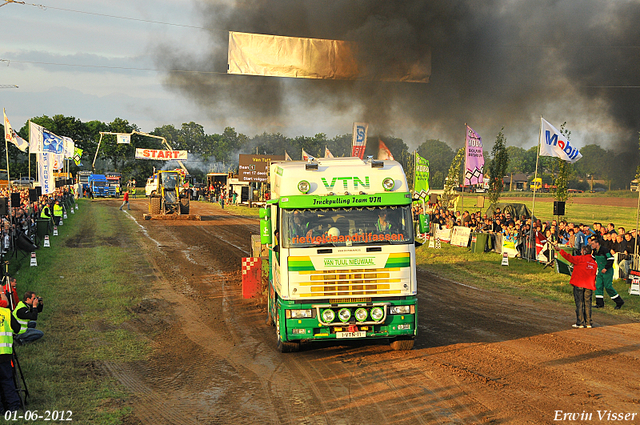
154,205
285,346
402,344
184,206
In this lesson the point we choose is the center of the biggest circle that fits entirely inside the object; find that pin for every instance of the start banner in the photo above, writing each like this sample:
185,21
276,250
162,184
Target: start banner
160,154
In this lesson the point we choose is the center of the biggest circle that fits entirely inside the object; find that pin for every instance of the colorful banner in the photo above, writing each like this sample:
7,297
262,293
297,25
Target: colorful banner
160,154
327,153
305,155
359,143
421,185
553,143
11,136
474,158
45,172
77,155
58,162
383,151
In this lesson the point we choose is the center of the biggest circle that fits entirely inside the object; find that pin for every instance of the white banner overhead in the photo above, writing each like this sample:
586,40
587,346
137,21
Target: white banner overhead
160,154
299,57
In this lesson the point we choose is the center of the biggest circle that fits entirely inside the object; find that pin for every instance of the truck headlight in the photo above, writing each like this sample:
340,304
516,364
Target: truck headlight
344,314
399,309
377,313
298,314
328,315
388,184
304,186
361,314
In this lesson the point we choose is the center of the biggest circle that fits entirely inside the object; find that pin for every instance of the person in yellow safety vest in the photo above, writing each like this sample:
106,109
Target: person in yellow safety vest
26,313
8,326
57,213
45,211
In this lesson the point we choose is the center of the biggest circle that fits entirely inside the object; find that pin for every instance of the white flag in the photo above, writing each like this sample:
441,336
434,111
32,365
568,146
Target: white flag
11,136
305,156
553,143
35,137
69,147
287,157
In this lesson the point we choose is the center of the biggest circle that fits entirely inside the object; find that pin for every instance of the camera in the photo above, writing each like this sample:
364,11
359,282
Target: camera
39,300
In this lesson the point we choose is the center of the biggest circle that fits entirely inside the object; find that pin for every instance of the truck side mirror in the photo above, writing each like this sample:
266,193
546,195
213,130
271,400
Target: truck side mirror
265,232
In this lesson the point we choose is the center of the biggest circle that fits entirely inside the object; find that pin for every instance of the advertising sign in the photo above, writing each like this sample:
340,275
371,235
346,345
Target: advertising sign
160,154
255,168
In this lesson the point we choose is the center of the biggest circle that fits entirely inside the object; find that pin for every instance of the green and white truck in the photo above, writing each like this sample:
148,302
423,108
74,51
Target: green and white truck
340,237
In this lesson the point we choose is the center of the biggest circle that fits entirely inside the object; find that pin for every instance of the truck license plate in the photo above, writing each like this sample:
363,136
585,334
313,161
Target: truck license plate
360,334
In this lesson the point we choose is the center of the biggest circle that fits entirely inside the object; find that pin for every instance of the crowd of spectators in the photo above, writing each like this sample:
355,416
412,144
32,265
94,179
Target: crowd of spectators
21,221
519,230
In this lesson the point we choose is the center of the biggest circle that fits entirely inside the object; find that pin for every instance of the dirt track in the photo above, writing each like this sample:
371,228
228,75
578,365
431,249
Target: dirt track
480,357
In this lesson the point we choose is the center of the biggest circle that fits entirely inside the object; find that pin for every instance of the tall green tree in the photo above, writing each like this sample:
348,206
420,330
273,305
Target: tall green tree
453,179
440,156
498,167
561,181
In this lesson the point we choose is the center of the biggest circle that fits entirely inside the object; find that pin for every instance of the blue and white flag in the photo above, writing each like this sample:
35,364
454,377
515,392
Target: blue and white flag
42,140
553,143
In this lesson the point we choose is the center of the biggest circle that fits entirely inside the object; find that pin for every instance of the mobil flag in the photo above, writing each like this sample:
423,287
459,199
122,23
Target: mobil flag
553,143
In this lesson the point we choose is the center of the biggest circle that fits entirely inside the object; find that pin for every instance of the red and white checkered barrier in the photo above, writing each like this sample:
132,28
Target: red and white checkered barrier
251,276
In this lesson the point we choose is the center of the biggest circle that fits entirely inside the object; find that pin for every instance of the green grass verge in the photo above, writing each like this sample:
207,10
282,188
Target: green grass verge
89,279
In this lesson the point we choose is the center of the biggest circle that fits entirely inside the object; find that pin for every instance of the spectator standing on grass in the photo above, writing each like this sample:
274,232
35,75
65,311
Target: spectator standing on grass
604,278
583,277
125,201
8,326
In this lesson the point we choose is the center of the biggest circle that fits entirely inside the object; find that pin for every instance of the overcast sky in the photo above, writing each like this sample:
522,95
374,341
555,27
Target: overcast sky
495,63
91,80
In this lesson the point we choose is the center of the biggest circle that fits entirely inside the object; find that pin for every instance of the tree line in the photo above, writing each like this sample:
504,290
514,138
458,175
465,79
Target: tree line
219,152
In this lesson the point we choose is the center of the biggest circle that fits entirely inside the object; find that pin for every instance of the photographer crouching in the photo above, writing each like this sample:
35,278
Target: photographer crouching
26,313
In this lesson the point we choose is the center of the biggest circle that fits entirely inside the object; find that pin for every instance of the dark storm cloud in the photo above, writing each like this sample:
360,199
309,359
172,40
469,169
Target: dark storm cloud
494,63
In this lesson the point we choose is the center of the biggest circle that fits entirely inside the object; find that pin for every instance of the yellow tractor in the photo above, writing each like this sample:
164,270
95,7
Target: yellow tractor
163,190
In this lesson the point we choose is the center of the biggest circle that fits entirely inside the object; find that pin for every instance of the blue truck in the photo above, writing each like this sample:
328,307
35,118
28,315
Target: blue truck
98,185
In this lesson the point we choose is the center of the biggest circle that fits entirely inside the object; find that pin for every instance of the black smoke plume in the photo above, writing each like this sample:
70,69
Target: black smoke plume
494,64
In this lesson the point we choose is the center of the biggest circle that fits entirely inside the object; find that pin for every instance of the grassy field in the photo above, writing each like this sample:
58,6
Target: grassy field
89,278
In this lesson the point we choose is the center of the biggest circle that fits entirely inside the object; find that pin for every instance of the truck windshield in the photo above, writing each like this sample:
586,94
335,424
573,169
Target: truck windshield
98,184
347,227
